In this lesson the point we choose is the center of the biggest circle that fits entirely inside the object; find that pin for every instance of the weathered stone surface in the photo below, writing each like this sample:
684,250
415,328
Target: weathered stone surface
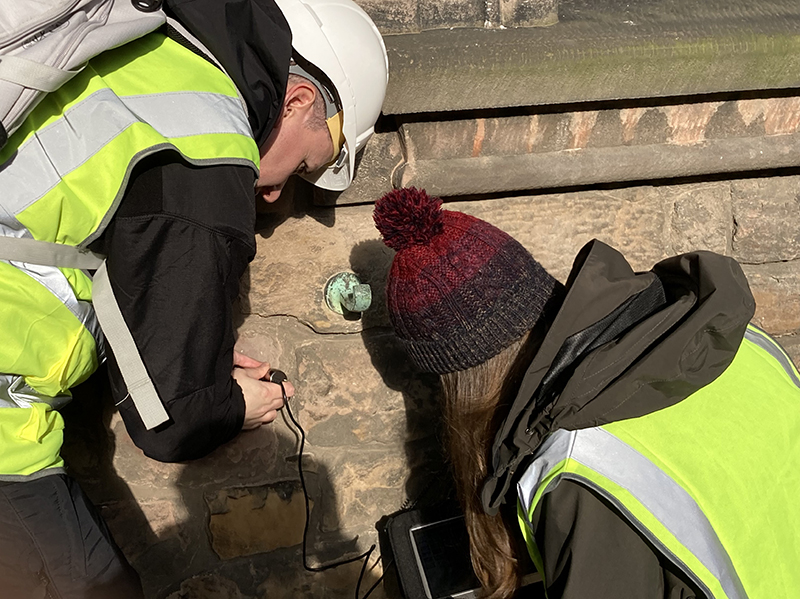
702,217
791,343
291,268
208,586
544,150
524,13
252,520
331,584
358,406
597,51
373,436
408,16
393,16
368,481
646,223
776,288
451,13
767,215
555,226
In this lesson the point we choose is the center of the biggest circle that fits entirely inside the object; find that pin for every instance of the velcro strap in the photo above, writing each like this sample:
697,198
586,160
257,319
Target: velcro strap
32,74
33,251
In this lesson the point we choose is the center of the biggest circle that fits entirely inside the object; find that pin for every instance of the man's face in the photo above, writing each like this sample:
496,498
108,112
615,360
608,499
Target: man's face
292,147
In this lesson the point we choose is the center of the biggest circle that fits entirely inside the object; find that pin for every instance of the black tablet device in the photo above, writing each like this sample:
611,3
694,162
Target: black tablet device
430,548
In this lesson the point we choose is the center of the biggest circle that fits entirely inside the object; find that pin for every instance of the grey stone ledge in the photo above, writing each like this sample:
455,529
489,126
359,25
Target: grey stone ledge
601,50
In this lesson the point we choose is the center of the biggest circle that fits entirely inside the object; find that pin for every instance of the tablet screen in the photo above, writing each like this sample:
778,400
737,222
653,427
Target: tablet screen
442,552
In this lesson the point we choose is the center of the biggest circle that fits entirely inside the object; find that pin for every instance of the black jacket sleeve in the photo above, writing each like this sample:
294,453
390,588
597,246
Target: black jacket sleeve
176,248
589,550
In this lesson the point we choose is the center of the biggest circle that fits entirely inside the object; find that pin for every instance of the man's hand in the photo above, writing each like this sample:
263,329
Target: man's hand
262,399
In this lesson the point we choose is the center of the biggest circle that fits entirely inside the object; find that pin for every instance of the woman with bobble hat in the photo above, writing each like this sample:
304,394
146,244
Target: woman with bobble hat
630,430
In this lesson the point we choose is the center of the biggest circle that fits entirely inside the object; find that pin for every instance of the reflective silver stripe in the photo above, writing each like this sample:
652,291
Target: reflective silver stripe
56,283
768,344
554,449
180,114
15,393
21,478
667,501
87,127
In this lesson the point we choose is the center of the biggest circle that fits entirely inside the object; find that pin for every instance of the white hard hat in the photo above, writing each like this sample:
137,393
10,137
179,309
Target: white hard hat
340,41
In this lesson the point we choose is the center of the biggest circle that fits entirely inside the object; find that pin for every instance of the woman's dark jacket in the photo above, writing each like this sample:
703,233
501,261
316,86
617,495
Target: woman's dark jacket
692,311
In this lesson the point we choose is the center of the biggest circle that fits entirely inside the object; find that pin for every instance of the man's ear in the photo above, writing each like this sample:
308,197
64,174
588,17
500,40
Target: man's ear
299,98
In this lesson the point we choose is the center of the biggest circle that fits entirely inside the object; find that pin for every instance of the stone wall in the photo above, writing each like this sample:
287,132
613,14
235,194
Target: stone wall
230,525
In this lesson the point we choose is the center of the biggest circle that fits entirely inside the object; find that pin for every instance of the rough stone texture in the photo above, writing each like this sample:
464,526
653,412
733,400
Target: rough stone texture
250,520
767,216
701,217
228,526
411,16
543,150
791,343
209,586
598,51
647,223
776,287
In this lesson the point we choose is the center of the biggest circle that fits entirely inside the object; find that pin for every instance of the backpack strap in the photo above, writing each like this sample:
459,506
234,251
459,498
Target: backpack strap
140,387
33,251
35,75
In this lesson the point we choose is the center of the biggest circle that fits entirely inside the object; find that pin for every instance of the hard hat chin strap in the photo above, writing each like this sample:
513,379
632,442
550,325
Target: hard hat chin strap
334,116
337,134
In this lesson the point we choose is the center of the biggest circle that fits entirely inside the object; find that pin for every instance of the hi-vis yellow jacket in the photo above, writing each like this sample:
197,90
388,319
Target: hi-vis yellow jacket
712,482
62,176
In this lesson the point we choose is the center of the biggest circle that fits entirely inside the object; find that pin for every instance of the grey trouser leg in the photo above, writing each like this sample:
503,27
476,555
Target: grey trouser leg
54,545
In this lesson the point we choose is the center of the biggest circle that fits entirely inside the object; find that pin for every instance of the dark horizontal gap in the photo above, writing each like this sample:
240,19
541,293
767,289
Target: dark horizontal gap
392,122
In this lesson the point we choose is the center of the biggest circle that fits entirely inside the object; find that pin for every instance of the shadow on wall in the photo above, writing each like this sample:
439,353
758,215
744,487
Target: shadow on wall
228,526
88,451
255,528
296,201
429,480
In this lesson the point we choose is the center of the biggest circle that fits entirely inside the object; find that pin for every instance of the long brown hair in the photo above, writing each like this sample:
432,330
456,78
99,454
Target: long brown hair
475,402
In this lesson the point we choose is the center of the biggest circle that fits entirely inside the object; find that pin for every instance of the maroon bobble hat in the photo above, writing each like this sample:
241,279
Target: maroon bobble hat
460,290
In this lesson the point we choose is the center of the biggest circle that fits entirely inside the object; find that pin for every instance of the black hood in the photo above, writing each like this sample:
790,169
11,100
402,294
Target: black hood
252,40
623,345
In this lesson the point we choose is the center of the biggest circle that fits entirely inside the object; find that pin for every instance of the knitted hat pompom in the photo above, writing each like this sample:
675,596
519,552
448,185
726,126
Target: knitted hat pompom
407,217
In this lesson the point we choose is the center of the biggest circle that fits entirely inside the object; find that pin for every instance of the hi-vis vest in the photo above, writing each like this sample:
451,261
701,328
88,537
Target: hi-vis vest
713,481
62,176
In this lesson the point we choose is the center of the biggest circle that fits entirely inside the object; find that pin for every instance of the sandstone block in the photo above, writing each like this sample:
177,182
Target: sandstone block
208,586
791,343
776,288
250,520
331,584
701,217
554,227
767,214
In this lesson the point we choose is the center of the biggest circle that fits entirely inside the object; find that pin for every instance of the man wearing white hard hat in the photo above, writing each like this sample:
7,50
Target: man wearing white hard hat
151,156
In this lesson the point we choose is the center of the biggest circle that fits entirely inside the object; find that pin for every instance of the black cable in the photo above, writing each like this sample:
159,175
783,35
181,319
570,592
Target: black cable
276,376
